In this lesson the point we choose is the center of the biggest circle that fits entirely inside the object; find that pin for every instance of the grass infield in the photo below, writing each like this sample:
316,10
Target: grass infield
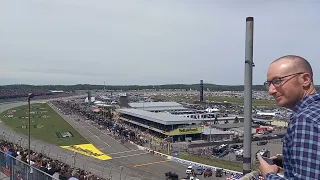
46,125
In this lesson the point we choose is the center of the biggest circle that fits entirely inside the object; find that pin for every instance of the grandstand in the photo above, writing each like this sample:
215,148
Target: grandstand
22,94
180,128
14,165
18,93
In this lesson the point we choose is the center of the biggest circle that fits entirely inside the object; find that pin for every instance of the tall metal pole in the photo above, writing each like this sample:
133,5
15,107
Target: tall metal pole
74,159
248,96
121,168
29,127
210,126
30,95
201,90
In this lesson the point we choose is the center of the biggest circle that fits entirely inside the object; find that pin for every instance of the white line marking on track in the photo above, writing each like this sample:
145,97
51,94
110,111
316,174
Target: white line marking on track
125,151
106,144
93,126
130,155
90,131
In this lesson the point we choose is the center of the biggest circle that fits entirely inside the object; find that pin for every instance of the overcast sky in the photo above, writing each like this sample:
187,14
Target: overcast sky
150,41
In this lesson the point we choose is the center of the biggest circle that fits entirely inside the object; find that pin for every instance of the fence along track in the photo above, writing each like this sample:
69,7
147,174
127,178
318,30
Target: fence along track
104,169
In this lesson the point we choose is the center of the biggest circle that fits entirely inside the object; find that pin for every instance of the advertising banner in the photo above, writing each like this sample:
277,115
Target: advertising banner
183,131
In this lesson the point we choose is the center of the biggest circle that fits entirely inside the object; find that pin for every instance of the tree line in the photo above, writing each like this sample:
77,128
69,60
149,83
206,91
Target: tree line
211,87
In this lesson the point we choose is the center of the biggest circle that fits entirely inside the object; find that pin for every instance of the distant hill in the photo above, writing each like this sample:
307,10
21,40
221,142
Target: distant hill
212,87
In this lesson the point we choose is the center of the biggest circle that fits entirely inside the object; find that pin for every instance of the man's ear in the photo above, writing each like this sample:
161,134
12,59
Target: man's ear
306,80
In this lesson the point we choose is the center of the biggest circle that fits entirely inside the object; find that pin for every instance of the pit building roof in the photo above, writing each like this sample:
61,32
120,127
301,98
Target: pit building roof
161,118
157,106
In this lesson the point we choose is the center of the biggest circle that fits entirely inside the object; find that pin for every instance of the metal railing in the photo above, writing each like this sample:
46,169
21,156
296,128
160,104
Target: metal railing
16,169
250,176
255,174
104,169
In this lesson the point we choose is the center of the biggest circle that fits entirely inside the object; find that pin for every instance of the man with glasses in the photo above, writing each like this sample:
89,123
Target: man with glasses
290,82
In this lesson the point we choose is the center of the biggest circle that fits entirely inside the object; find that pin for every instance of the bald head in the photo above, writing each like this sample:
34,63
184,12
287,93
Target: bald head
296,63
289,80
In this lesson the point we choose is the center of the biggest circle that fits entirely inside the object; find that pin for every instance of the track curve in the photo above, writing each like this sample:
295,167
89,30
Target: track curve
136,164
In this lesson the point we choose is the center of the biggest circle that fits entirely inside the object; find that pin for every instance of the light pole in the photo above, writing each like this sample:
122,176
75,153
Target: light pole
121,169
30,95
74,159
248,96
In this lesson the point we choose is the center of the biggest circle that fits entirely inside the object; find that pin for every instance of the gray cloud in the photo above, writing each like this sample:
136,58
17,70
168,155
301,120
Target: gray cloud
149,42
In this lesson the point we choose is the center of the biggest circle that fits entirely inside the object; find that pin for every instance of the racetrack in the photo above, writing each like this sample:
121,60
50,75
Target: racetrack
137,164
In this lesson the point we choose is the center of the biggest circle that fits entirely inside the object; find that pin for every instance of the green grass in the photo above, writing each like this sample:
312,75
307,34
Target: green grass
47,126
236,166
231,165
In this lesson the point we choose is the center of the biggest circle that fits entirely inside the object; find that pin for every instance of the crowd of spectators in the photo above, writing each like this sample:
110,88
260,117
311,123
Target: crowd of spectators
40,163
21,94
104,120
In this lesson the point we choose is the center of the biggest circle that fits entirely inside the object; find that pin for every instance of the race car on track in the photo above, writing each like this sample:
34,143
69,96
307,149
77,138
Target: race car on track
207,173
190,178
199,170
171,176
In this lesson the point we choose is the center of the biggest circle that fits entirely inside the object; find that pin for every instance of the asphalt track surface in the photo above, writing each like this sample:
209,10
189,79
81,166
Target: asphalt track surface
136,164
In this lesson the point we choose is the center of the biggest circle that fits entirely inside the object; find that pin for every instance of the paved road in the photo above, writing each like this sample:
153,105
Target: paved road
136,164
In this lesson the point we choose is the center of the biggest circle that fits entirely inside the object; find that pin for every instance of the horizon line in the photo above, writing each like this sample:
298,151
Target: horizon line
124,84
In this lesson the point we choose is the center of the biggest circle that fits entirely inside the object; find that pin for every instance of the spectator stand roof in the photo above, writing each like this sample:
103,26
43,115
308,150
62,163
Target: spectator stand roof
206,131
157,106
262,120
256,119
228,126
231,125
241,130
163,108
161,118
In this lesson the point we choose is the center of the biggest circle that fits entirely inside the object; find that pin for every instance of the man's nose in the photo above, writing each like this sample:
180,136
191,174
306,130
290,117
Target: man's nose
272,90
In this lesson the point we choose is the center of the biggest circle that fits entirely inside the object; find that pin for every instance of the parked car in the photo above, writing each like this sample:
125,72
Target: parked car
235,147
207,173
261,143
219,173
199,171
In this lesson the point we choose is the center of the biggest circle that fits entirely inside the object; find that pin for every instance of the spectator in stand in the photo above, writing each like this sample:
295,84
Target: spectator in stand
58,169
290,82
21,94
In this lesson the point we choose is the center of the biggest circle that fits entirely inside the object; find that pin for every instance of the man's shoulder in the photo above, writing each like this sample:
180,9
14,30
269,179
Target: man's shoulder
311,109
309,114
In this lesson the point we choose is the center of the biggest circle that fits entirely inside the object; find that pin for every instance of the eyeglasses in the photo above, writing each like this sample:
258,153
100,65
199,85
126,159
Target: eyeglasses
277,82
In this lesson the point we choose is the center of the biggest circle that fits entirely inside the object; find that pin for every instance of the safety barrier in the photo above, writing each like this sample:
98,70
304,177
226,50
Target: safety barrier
151,151
109,172
18,170
185,162
204,166
191,163
188,163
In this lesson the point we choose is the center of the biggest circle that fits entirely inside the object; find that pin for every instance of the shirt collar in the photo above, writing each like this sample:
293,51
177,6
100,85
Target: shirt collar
305,102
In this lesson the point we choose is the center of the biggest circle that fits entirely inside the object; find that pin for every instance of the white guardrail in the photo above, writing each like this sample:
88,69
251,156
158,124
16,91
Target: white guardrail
186,162
191,163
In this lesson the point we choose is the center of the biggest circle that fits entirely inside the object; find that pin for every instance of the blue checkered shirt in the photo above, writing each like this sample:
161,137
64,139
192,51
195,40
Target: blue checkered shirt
301,145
